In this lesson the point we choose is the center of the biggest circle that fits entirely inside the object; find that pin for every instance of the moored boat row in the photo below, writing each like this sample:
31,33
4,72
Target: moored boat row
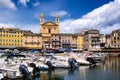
20,63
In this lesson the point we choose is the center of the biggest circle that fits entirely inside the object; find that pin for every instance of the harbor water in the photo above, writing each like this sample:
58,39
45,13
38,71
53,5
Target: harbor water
108,70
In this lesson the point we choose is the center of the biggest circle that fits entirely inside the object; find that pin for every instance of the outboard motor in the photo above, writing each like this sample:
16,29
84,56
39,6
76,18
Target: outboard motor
49,65
91,60
73,63
36,70
32,65
24,71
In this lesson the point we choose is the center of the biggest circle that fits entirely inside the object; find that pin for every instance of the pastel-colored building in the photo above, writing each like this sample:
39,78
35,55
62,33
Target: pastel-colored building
48,28
80,41
64,40
115,39
10,37
32,41
92,40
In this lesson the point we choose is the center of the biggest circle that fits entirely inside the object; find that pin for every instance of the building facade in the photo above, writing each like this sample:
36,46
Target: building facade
102,40
47,29
115,39
10,37
64,41
80,41
32,41
92,40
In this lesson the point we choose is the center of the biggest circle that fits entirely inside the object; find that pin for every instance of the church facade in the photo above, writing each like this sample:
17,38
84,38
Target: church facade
50,37
47,29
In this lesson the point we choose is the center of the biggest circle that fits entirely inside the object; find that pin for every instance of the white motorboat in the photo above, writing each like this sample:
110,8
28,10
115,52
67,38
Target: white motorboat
81,59
60,62
11,67
63,61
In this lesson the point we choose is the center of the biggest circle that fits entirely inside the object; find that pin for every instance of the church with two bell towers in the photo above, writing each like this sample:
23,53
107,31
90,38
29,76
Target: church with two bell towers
49,36
47,29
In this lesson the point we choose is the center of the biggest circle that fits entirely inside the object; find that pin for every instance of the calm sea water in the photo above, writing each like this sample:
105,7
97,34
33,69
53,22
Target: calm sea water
109,70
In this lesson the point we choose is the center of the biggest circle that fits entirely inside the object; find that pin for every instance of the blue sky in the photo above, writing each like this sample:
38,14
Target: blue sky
75,15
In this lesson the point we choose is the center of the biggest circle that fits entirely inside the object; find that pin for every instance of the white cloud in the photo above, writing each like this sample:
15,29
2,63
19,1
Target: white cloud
36,4
61,13
117,0
109,29
33,27
6,25
24,2
7,4
104,18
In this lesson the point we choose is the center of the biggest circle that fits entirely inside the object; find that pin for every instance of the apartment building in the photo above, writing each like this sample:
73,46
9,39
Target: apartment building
115,39
10,37
32,41
64,40
92,40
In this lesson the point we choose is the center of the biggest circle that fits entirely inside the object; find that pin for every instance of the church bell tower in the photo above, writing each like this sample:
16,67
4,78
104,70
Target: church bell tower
57,19
41,18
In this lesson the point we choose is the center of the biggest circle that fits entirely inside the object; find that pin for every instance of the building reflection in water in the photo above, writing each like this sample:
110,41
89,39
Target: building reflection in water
112,63
50,75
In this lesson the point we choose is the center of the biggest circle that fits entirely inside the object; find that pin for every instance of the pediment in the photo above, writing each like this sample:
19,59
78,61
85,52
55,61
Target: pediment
50,23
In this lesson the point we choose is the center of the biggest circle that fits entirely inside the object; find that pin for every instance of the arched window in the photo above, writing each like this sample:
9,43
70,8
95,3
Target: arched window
57,20
49,30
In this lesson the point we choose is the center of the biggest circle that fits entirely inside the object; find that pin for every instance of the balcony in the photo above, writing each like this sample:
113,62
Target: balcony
32,42
65,42
94,43
55,40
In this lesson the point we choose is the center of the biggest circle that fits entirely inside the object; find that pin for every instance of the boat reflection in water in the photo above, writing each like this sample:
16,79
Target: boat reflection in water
109,70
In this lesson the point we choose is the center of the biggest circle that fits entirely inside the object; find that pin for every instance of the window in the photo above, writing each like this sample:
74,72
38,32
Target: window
49,30
57,20
6,40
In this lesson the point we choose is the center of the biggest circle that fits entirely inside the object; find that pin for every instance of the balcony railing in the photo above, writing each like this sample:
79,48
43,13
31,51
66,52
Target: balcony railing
32,42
